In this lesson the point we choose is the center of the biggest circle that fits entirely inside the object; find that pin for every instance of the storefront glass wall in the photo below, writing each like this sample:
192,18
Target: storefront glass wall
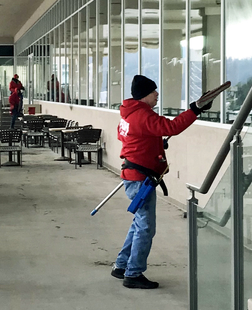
95,50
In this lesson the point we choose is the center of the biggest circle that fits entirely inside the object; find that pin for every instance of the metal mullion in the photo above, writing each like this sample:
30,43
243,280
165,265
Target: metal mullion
38,73
43,68
79,57
59,70
54,65
123,49
161,40
109,54
50,59
72,62
65,46
237,224
223,61
87,54
187,69
97,50
140,36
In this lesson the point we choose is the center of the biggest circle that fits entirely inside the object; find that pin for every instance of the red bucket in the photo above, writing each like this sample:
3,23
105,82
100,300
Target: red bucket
31,110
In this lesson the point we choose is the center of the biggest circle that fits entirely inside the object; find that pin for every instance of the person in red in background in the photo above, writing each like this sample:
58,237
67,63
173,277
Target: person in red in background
16,84
14,101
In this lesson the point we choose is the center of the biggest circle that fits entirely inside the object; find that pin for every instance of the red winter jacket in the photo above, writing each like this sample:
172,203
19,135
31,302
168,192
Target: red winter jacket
13,100
15,83
141,131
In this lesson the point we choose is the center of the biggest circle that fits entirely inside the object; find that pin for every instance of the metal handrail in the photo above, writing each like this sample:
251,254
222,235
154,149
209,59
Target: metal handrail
225,148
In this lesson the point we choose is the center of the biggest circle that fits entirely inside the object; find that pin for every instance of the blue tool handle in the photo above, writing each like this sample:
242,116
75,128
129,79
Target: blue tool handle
93,212
147,187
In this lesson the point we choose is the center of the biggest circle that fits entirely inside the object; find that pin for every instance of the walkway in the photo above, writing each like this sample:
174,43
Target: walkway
55,256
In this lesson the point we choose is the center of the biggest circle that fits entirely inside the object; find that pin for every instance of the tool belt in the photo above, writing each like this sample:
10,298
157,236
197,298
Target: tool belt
154,176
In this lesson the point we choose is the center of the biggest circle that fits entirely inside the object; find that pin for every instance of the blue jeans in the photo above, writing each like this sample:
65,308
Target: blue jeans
135,251
14,117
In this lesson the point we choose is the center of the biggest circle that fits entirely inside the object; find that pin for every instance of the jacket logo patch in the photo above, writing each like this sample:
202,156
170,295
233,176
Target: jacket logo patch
123,128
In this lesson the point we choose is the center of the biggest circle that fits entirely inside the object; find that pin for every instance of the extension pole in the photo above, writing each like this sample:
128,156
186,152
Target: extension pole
106,199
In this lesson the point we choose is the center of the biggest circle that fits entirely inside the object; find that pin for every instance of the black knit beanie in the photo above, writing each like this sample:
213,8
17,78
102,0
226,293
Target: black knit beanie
141,87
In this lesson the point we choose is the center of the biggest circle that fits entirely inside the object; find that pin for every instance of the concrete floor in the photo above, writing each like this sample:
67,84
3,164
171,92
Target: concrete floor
55,256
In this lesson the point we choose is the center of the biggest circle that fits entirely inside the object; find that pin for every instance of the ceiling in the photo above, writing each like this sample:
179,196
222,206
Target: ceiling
14,14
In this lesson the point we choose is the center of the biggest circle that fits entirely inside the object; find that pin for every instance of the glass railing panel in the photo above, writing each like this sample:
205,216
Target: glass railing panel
247,215
214,266
215,243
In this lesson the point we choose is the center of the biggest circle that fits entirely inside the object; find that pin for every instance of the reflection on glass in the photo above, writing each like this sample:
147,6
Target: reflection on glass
131,52
173,63
205,53
238,56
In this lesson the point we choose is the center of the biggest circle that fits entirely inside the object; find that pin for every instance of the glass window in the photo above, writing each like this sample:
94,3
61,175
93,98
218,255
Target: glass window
115,55
205,63
47,66
150,40
103,55
173,57
66,61
6,73
83,58
131,52
238,56
75,60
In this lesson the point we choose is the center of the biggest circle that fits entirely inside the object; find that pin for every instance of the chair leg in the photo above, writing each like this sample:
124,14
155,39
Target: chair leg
79,158
99,157
19,158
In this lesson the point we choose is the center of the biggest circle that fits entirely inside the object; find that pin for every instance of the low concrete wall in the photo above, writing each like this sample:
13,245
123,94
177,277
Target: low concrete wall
190,154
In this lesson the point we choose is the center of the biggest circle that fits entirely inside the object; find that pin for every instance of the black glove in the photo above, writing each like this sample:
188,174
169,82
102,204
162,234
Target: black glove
198,107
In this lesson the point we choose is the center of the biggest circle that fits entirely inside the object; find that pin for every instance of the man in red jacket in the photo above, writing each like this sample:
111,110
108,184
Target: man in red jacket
140,131
16,84
14,100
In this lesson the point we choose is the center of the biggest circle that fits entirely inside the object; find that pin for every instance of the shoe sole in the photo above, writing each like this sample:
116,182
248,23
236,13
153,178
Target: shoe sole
139,286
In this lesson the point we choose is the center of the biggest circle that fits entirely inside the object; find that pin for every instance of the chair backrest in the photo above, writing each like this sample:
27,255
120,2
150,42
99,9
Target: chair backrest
57,123
88,135
10,136
48,117
35,124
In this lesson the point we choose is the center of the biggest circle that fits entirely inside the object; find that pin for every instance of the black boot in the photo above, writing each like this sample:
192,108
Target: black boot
139,282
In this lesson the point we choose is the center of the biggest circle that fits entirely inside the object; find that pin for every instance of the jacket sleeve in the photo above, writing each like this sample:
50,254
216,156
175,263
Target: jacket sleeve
156,125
